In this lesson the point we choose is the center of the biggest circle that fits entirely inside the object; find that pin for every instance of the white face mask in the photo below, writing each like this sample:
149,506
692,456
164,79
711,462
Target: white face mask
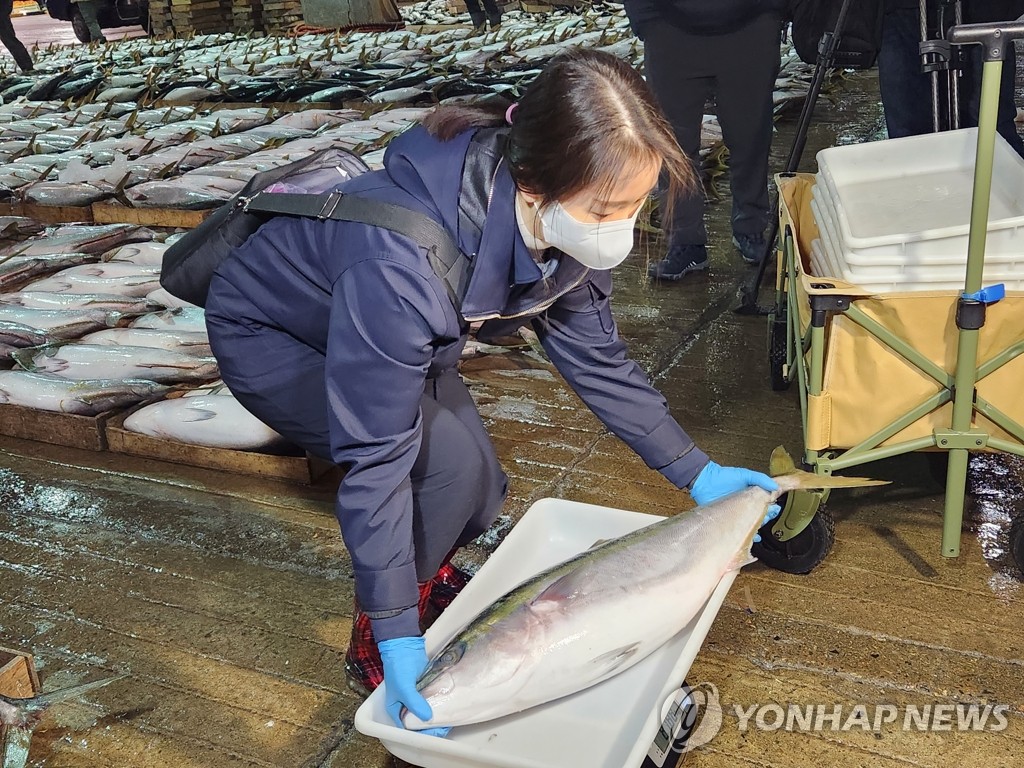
598,245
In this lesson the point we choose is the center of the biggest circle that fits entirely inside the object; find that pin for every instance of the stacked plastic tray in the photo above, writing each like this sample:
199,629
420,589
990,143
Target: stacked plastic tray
894,216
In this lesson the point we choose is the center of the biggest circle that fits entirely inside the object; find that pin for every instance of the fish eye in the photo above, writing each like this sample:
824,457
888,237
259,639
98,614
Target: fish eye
452,655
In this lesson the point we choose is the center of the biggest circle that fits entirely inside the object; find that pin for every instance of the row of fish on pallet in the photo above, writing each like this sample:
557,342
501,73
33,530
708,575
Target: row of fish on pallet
90,330
177,157
380,67
402,66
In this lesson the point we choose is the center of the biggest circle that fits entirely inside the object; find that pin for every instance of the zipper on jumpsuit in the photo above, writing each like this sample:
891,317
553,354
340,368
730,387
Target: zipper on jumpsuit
530,310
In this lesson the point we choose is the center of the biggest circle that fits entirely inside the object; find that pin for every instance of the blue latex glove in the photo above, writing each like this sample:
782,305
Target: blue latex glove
773,512
404,659
714,482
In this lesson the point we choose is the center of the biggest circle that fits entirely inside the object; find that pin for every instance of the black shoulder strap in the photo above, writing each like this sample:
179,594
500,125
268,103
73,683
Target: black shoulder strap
447,261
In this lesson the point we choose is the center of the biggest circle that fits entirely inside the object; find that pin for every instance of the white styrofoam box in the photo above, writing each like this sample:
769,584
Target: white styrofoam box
610,725
903,277
909,199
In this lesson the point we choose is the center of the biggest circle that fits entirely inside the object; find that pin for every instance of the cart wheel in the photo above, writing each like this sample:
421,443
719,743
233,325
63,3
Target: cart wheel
1017,541
777,350
804,551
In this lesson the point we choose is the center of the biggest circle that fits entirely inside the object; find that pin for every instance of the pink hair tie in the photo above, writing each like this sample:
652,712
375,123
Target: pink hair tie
509,111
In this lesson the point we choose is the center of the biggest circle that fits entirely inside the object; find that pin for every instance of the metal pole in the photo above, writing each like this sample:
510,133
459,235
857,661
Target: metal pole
967,345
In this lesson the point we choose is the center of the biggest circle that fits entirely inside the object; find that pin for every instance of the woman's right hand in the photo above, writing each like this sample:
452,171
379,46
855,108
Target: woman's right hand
404,659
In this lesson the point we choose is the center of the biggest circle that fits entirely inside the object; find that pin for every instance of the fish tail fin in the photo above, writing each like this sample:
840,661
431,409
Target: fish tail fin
38,703
789,478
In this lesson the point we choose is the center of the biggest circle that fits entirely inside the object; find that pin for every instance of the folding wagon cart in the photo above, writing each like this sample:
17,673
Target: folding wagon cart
885,374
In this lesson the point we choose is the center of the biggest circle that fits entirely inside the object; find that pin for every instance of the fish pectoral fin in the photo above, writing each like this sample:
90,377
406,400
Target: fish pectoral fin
607,663
742,558
199,414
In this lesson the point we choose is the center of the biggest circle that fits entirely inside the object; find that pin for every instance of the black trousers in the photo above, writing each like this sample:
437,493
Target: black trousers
476,13
9,39
458,485
740,69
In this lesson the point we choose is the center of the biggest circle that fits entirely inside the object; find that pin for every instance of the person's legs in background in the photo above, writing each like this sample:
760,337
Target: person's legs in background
906,91
477,16
88,10
10,40
493,13
679,69
748,66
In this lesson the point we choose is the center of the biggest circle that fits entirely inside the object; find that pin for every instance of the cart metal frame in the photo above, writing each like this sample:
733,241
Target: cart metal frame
805,351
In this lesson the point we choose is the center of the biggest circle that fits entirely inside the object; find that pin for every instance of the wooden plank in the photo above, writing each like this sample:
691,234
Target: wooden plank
304,470
115,213
65,429
18,678
53,214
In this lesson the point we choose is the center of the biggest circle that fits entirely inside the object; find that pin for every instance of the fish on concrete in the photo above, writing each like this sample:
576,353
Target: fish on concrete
48,392
181,319
214,420
101,361
80,238
17,335
601,612
15,269
108,277
59,324
126,305
142,254
189,342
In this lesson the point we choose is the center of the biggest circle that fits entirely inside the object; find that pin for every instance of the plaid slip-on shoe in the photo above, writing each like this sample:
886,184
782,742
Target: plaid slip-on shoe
363,666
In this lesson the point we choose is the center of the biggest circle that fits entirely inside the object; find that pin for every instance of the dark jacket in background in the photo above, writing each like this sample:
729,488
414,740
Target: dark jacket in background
700,17
975,11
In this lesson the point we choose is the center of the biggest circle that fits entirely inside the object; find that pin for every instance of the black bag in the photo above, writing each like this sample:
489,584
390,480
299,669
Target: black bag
299,189
860,38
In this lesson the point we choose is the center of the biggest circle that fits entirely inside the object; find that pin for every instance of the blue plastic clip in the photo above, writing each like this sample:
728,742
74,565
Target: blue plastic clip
989,295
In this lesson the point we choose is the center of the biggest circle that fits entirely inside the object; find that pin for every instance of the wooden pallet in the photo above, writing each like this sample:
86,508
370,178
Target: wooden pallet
18,680
115,213
52,214
66,429
304,470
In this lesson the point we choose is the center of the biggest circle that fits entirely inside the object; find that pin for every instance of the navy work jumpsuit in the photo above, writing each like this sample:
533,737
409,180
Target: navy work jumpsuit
339,336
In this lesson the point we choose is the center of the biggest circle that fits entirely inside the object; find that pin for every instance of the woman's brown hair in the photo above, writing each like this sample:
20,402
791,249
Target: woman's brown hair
585,122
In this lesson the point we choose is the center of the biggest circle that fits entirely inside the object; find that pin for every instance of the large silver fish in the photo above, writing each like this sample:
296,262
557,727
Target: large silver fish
48,392
601,612
217,421
98,361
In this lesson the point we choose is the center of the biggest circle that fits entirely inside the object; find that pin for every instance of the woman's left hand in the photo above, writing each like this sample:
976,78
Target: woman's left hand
715,481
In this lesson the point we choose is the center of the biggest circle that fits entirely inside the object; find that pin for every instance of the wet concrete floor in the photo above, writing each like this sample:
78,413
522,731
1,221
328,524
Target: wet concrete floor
228,600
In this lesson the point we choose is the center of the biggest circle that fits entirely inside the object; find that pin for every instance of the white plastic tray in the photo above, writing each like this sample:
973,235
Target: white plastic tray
910,198
902,278
610,725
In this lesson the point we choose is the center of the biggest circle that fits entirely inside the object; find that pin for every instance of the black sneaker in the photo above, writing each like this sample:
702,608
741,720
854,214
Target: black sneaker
680,261
751,247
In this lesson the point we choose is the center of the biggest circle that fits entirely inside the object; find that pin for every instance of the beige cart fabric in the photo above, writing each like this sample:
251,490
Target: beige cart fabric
866,385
